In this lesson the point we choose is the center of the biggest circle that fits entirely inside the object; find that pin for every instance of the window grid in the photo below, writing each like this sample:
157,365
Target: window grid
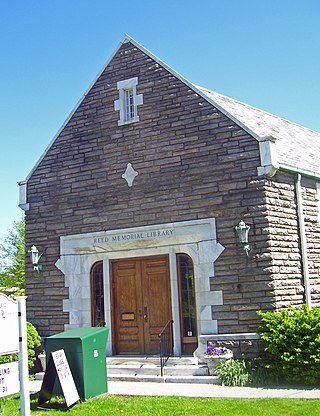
97,295
187,295
129,104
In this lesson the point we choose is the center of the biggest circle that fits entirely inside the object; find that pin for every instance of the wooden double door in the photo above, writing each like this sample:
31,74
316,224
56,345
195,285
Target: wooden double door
141,303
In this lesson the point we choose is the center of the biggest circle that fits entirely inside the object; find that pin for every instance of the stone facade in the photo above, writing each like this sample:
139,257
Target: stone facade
284,240
193,163
272,278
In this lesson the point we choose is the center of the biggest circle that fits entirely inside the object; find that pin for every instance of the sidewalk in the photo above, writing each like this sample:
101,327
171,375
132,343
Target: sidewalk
199,390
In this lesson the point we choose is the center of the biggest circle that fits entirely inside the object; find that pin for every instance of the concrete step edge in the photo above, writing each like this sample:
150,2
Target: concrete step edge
136,366
145,369
165,379
167,372
152,360
193,379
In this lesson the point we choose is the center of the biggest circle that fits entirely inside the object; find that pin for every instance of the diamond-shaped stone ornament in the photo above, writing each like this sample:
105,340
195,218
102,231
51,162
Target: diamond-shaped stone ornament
129,174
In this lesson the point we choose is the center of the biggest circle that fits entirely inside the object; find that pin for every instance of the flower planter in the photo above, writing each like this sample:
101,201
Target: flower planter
213,361
42,358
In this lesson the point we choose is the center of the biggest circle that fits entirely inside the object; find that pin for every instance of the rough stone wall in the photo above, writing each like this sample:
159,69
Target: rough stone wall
283,238
272,278
312,222
193,162
244,281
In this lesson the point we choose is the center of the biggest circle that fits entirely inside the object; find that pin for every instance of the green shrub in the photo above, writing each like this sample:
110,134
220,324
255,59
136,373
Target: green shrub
260,375
240,373
292,341
33,341
233,373
8,358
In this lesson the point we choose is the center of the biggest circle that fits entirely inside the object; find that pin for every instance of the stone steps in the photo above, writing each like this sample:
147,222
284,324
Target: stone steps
187,370
164,379
149,360
147,369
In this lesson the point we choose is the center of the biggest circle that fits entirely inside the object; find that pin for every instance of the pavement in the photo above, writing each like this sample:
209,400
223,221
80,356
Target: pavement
199,390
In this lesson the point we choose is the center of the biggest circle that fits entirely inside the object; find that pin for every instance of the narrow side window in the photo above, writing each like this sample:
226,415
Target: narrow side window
188,318
97,295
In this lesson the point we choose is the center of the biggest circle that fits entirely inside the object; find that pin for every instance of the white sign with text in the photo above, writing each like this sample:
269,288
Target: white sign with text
9,379
9,328
65,377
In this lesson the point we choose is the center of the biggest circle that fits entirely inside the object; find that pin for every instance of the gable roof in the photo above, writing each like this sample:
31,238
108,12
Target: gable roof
297,147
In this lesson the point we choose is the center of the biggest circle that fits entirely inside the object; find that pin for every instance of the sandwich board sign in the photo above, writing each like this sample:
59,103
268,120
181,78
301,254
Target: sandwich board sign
58,367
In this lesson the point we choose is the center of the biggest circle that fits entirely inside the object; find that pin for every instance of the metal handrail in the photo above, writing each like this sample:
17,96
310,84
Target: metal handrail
166,344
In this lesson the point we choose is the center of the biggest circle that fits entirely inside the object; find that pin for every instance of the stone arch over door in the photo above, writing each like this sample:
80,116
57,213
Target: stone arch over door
195,238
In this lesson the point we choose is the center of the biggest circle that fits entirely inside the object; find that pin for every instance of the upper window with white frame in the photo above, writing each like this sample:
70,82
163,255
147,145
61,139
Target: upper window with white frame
128,101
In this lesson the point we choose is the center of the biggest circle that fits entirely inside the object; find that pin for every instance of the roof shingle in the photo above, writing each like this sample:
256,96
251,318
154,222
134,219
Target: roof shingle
297,147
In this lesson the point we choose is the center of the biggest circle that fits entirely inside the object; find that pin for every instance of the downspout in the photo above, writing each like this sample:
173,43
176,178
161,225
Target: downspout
303,243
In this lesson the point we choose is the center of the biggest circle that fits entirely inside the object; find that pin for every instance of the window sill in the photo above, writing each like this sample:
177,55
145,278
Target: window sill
132,120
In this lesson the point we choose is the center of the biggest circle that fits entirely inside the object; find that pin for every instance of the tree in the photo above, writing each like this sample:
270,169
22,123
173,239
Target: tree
12,281
12,259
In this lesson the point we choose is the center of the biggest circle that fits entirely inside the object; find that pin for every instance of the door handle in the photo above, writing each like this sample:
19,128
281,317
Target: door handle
145,314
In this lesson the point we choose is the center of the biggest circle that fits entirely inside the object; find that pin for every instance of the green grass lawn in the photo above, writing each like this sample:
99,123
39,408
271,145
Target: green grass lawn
172,406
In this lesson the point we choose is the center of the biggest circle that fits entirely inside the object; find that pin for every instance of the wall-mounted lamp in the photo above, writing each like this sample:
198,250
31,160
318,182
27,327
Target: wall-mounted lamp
35,256
242,230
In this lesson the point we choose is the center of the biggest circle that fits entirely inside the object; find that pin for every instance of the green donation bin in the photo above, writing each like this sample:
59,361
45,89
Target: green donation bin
85,349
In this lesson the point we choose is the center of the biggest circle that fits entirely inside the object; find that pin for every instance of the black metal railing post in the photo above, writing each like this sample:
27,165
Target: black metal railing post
166,344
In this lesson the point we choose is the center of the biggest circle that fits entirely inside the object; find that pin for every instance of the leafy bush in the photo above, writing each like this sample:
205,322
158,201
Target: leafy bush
33,341
240,373
233,373
260,374
292,341
8,358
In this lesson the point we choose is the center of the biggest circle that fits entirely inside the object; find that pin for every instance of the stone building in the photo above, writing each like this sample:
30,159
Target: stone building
135,205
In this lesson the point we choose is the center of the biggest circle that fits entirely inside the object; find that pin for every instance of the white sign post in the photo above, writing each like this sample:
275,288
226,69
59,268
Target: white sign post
23,358
13,329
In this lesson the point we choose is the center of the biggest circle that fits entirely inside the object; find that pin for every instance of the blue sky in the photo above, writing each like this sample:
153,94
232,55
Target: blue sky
263,52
